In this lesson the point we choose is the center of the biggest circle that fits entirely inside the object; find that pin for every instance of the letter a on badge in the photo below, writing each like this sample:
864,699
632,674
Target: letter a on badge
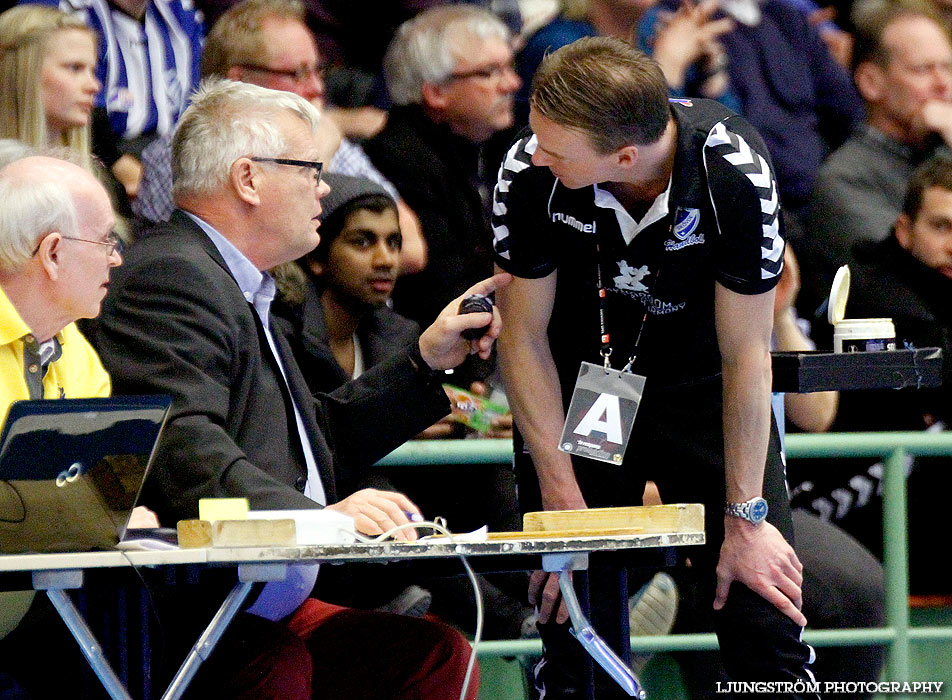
605,405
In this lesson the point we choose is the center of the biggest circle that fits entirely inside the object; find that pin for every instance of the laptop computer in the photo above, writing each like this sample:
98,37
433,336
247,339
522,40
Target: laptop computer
71,470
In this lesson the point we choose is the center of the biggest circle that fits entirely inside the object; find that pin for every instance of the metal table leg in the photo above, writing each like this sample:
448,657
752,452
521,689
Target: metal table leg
54,583
582,629
248,575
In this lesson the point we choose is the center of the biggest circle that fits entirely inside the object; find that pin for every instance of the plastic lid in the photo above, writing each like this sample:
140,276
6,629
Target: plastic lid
839,293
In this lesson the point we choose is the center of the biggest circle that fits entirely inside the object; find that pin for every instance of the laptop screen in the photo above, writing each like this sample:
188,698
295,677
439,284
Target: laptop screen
71,470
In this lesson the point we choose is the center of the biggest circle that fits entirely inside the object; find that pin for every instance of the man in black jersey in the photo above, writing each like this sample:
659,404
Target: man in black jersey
648,231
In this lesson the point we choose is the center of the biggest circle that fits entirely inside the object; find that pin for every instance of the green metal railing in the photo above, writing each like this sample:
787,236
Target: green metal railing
892,447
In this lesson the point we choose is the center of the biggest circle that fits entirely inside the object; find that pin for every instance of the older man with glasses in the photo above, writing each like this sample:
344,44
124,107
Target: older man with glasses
449,72
190,317
57,251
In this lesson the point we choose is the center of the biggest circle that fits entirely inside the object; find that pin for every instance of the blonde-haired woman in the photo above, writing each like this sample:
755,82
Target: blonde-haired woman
47,78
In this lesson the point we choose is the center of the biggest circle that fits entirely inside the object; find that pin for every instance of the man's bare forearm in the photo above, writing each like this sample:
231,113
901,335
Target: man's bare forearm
746,424
743,333
533,389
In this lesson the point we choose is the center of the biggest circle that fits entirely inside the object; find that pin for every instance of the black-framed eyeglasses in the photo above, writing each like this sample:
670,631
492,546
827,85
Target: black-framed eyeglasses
298,75
494,72
316,165
112,241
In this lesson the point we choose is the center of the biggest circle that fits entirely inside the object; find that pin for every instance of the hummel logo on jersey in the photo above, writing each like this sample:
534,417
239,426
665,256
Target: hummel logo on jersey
569,220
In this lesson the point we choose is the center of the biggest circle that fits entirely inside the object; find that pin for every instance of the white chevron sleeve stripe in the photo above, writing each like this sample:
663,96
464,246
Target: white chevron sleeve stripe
735,150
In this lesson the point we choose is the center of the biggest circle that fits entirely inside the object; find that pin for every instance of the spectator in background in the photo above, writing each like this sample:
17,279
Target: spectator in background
903,69
449,72
335,312
906,277
47,78
147,64
787,84
267,43
685,45
346,31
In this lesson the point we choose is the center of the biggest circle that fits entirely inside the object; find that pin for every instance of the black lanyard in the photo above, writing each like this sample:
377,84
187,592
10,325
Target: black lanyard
605,336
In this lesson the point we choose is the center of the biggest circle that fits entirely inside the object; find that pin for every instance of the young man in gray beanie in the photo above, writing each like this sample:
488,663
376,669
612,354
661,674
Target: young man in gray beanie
335,314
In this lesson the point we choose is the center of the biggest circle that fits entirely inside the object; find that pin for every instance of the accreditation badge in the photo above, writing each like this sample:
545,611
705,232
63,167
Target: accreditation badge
602,413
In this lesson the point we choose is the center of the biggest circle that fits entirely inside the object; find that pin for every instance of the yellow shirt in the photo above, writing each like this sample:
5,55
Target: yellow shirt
77,373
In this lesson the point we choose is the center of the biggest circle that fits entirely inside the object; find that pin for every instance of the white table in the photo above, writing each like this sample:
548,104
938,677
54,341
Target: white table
56,573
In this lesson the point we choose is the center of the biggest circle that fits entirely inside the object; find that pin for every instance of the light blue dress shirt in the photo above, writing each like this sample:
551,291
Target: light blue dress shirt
278,599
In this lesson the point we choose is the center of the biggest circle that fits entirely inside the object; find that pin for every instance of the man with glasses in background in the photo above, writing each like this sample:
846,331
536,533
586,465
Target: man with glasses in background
449,73
190,317
267,43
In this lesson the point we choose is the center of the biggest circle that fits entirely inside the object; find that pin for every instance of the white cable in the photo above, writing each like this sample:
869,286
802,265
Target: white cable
469,572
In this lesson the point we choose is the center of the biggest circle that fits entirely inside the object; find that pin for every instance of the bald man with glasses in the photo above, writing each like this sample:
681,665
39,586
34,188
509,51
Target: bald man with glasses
57,250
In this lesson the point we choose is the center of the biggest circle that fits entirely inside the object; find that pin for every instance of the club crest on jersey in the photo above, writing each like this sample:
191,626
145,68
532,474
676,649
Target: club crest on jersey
685,221
685,224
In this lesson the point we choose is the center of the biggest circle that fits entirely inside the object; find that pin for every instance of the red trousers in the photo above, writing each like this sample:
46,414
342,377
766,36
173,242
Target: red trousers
325,651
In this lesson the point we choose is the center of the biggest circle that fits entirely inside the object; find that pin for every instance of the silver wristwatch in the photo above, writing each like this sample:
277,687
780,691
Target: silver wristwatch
753,511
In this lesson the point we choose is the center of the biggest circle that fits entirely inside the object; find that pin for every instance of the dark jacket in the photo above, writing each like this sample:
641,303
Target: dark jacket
176,322
381,333
888,282
437,174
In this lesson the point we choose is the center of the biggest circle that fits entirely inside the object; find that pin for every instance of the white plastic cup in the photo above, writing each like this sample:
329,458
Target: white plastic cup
864,335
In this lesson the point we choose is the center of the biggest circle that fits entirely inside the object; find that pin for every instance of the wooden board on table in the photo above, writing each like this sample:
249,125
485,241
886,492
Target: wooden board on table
557,534
668,518
236,533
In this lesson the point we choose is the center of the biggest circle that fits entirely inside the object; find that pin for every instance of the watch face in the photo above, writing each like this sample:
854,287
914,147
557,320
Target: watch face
758,510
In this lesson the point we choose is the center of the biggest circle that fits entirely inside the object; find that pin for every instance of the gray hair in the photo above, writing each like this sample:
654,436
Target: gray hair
11,150
422,49
33,206
225,121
